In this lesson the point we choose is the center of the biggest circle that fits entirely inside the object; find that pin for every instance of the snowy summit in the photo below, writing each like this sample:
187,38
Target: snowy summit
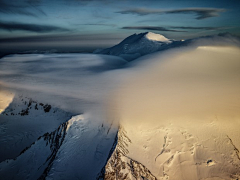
156,37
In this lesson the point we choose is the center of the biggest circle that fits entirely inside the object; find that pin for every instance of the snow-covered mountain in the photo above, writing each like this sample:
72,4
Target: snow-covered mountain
63,153
82,149
25,120
138,45
173,116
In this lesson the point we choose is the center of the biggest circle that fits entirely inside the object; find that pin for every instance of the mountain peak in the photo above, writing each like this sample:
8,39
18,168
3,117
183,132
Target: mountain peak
156,37
138,45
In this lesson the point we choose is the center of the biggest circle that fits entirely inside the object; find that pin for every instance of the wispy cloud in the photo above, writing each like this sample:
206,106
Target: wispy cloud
14,26
201,13
197,28
151,28
28,8
98,24
175,28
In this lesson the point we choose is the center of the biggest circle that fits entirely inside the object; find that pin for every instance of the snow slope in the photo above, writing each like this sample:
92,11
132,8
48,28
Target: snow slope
23,121
173,152
64,153
5,99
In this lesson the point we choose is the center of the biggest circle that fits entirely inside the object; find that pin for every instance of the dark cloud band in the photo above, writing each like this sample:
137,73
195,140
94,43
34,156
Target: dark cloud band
201,13
197,28
151,28
13,26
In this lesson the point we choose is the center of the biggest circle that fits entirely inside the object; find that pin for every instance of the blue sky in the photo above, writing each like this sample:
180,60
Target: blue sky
90,20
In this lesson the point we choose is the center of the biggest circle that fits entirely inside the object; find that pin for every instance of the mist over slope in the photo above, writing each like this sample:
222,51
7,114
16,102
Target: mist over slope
178,113
73,81
181,112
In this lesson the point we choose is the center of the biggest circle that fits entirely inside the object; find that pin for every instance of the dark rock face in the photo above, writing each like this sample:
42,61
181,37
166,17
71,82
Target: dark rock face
54,140
47,108
27,105
120,166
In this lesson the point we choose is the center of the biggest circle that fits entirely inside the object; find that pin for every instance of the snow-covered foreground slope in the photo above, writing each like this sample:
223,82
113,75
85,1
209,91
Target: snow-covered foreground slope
23,121
172,152
77,149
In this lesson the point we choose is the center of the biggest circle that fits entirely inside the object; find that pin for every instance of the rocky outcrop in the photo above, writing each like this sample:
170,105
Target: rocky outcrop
54,140
25,106
121,167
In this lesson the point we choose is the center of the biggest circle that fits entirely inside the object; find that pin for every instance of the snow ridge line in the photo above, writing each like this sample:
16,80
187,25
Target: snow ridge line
101,175
55,139
235,148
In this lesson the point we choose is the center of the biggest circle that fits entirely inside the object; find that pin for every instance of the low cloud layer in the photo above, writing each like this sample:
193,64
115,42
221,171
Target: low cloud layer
14,26
188,84
76,82
177,83
201,13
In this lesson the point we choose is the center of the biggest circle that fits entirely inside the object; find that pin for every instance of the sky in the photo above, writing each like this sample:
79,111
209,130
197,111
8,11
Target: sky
77,25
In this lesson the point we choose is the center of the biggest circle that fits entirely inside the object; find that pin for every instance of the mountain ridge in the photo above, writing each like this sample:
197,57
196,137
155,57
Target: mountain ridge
138,45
